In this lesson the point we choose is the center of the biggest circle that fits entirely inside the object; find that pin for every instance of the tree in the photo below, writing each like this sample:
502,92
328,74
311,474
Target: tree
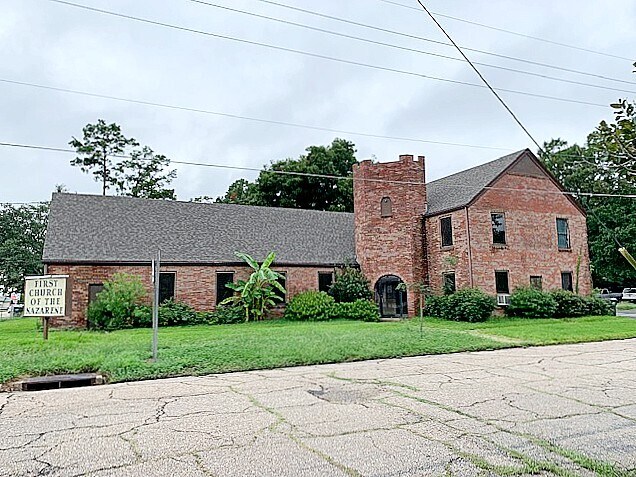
22,230
96,149
259,292
605,164
243,192
275,188
143,175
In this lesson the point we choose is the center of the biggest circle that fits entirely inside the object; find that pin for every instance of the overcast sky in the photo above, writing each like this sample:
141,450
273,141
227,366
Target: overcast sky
66,47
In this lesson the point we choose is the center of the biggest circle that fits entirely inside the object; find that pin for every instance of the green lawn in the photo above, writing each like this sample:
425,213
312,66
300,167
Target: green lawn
124,355
625,305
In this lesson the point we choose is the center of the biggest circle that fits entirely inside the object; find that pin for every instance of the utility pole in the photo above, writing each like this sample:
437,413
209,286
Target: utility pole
156,265
632,261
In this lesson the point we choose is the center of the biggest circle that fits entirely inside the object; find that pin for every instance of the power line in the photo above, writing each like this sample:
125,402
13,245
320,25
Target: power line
437,42
330,176
404,48
523,35
320,56
514,116
246,118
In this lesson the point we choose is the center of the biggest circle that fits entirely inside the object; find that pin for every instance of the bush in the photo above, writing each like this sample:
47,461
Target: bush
364,310
569,304
172,313
598,307
531,303
434,305
114,308
468,304
223,315
350,285
310,306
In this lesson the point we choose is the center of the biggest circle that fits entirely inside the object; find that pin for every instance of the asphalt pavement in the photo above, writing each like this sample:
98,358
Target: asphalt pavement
558,410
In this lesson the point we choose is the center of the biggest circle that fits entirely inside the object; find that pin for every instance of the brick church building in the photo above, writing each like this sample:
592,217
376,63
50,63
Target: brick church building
498,226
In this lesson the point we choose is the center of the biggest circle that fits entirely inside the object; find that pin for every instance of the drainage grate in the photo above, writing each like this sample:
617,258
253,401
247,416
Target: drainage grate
60,381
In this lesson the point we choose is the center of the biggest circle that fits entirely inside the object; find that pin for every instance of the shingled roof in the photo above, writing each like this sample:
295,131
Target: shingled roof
104,229
458,190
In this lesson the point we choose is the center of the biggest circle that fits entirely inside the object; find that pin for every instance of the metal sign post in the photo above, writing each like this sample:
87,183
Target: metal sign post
156,265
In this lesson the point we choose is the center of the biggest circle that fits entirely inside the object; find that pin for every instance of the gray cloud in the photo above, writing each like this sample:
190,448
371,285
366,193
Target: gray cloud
47,43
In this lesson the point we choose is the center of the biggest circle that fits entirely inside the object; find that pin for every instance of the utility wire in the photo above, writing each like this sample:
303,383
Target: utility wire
404,48
517,120
429,40
523,35
320,56
331,176
246,118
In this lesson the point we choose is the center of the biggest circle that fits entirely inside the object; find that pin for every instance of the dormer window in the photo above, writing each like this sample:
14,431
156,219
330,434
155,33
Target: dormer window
386,207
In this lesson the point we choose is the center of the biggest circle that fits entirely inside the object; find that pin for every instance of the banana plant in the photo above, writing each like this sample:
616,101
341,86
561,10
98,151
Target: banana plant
261,291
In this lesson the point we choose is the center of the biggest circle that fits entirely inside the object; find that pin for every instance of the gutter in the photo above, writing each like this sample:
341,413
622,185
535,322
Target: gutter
470,253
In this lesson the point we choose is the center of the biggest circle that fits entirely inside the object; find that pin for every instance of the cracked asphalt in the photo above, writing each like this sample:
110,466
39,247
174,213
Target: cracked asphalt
559,410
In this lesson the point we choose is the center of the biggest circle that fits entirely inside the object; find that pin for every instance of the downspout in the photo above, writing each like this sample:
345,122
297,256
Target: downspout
470,253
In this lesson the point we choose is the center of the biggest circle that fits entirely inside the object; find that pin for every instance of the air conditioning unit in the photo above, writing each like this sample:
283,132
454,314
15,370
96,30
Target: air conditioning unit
503,299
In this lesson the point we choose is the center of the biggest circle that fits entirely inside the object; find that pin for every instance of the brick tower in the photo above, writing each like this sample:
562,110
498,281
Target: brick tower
389,228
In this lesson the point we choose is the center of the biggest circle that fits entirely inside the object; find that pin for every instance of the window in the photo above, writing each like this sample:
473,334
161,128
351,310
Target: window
448,285
325,279
222,291
446,228
501,282
283,283
566,281
536,282
93,290
498,228
166,286
386,207
563,234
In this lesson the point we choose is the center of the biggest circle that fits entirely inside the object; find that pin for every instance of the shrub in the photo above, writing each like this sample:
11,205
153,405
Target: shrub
310,306
114,308
364,310
531,303
434,305
569,304
468,304
223,315
172,313
598,307
350,285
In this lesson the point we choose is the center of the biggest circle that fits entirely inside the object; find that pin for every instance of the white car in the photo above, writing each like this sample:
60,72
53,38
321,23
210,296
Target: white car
629,294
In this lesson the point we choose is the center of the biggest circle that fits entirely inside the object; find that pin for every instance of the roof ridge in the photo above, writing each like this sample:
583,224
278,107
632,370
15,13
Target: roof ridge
190,202
507,156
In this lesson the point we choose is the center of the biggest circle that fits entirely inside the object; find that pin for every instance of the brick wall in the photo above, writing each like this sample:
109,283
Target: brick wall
390,245
531,235
531,207
194,285
448,259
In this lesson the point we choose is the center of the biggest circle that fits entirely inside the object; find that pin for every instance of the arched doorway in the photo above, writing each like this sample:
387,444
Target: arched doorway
392,302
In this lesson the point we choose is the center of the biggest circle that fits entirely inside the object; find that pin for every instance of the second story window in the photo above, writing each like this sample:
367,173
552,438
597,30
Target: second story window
386,207
446,229
498,228
563,234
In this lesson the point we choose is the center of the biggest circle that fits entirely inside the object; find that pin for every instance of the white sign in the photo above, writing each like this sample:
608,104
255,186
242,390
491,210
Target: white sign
45,296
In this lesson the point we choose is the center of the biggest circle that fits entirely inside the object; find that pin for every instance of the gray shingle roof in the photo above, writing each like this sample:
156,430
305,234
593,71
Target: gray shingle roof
458,190
89,228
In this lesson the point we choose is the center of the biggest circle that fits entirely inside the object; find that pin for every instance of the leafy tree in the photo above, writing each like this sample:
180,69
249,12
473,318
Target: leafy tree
261,291
96,149
143,175
22,230
605,164
274,188
350,285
